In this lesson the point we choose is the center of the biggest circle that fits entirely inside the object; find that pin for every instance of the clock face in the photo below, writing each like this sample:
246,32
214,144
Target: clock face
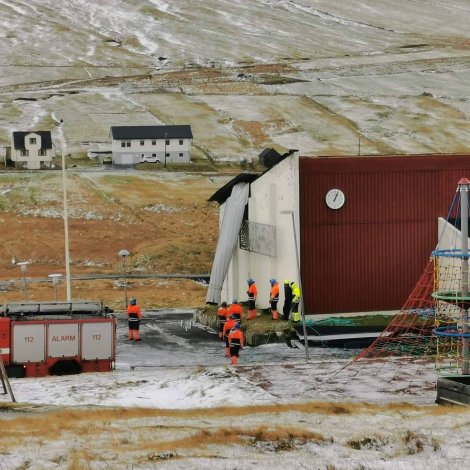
335,198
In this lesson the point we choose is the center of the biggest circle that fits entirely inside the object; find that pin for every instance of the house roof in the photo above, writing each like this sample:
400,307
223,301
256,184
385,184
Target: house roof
18,139
151,132
224,192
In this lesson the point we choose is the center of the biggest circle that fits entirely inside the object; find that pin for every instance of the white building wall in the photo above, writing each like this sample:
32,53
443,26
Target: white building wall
275,191
449,267
33,160
137,152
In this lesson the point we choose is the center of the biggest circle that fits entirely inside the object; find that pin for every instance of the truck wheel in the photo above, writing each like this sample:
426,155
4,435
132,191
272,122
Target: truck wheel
65,368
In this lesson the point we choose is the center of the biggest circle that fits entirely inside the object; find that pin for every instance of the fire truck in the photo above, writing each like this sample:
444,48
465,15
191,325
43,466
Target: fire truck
57,338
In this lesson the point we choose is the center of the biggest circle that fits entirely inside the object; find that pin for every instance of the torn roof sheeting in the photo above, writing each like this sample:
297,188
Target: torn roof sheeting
228,236
222,194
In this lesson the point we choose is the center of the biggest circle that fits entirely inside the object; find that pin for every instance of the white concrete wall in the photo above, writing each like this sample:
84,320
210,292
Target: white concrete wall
449,268
275,191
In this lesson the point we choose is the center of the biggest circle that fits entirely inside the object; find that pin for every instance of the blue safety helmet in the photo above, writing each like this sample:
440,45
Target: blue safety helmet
234,301
236,326
133,301
250,281
272,281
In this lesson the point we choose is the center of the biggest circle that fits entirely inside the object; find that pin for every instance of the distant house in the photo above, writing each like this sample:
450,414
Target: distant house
32,150
154,144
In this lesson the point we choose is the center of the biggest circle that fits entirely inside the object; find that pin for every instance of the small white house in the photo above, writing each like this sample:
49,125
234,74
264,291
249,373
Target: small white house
153,144
32,150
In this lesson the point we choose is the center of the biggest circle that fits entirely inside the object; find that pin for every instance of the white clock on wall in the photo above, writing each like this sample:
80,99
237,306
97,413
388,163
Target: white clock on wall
335,198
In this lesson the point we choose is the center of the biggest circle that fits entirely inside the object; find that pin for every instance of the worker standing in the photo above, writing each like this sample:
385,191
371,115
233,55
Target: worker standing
229,324
252,294
295,302
274,298
222,314
287,300
236,342
134,315
236,310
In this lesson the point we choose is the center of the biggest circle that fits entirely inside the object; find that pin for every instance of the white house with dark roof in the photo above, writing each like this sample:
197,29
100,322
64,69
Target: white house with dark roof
32,150
154,144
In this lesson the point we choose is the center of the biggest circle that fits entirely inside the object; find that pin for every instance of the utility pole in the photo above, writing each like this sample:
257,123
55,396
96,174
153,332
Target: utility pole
66,222
301,306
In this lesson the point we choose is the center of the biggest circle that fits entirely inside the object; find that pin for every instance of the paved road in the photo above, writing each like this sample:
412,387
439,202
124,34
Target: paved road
169,338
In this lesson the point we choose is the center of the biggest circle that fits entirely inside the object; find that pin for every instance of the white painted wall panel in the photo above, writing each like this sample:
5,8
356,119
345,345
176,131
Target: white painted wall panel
271,193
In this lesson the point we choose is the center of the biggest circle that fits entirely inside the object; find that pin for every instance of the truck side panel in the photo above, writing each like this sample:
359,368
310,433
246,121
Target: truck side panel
98,340
5,340
62,339
28,343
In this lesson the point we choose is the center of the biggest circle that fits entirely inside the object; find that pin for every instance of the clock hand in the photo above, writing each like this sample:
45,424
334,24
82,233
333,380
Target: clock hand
336,195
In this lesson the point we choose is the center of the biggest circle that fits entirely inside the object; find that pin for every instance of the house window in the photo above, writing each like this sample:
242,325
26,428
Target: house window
142,142
167,155
154,142
181,141
154,154
143,155
24,153
167,142
32,140
42,152
123,144
181,154
128,144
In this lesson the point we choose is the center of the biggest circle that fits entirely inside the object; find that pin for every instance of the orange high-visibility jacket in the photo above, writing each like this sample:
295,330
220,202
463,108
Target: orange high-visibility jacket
133,313
229,324
236,309
252,291
222,314
275,292
236,337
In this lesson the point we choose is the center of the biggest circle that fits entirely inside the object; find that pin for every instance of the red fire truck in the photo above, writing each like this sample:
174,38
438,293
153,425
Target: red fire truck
56,338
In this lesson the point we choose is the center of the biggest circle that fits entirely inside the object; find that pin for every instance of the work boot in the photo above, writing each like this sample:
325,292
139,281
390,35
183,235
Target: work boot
234,360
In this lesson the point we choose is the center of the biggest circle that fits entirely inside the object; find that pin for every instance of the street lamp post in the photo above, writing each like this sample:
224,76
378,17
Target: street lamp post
55,281
124,254
23,265
66,222
301,306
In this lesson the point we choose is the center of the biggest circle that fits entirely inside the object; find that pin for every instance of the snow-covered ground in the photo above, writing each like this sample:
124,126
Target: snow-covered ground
325,413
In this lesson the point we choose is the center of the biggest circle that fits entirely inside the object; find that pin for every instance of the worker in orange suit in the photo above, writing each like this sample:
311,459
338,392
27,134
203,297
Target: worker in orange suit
236,341
134,315
252,294
274,298
236,309
222,314
229,324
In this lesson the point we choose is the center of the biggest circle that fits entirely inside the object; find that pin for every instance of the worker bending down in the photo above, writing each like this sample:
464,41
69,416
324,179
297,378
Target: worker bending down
229,324
222,314
134,316
236,309
236,342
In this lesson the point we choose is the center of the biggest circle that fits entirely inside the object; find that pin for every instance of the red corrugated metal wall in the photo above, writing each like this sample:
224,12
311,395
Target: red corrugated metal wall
369,254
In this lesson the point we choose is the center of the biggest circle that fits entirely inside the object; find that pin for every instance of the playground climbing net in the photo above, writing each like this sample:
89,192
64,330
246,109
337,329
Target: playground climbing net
433,324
